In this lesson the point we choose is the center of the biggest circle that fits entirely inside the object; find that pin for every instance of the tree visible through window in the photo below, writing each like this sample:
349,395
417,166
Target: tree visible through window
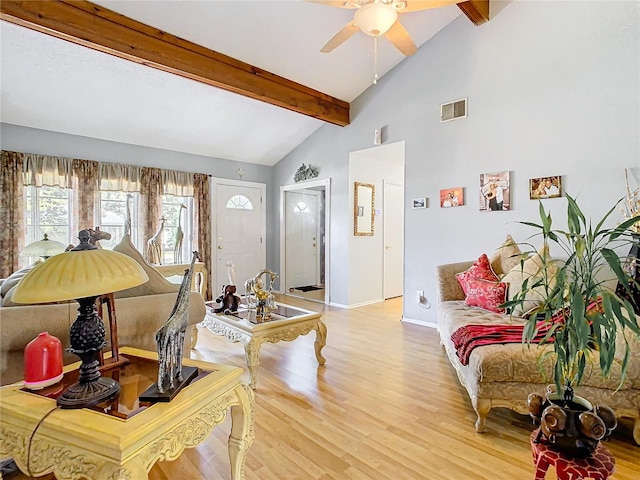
48,210
113,207
178,223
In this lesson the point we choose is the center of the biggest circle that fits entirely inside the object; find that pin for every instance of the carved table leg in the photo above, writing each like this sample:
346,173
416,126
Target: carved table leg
241,431
251,350
321,341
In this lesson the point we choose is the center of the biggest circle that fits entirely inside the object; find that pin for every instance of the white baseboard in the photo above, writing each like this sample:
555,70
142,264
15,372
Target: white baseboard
420,322
355,305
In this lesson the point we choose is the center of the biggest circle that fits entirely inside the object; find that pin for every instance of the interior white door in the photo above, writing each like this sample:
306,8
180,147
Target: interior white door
302,238
239,227
393,226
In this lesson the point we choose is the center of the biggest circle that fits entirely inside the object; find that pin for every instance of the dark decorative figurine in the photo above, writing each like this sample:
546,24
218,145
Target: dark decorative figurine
229,300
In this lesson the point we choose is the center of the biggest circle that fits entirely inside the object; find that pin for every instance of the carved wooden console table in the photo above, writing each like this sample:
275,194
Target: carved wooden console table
286,323
124,438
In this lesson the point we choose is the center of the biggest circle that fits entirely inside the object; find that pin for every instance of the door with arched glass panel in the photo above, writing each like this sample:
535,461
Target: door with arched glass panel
239,231
303,239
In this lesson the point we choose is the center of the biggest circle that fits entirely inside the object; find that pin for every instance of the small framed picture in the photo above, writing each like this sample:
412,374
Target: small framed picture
452,197
545,187
495,193
420,202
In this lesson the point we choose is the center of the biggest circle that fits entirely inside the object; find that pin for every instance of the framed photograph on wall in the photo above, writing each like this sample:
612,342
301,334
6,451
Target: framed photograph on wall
452,197
545,187
420,202
495,191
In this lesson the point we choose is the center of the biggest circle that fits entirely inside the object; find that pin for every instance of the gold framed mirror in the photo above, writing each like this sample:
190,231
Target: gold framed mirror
363,209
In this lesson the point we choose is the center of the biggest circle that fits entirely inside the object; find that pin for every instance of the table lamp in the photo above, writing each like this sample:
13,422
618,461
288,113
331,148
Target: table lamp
44,248
83,273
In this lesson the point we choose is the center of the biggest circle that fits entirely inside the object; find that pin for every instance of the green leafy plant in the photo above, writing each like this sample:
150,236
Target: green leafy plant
579,309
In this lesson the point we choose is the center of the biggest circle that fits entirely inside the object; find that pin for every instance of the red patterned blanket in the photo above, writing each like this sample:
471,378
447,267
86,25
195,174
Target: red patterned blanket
468,337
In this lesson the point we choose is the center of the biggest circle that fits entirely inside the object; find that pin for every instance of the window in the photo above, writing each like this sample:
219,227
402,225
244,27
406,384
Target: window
113,208
239,202
301,207
178,214
48,210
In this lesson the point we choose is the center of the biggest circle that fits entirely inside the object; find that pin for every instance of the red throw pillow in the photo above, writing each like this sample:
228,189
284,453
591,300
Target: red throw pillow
481,269
486,294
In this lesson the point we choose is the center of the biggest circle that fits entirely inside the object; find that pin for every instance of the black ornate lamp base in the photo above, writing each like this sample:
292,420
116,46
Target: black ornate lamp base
83,395
87,341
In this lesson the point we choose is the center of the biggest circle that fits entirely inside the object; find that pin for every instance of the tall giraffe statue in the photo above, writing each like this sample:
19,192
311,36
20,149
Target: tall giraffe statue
127,218
153,253
170,337
177,249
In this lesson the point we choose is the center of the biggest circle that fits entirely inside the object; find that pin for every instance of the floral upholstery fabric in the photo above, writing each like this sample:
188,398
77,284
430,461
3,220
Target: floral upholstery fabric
486,294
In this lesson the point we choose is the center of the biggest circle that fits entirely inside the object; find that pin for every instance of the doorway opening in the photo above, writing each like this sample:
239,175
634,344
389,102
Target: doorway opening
304,234
376,262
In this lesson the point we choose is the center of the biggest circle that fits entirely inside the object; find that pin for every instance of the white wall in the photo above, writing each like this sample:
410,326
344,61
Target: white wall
553,89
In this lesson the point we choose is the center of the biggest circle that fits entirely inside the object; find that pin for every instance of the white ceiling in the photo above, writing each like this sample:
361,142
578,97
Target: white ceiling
51,84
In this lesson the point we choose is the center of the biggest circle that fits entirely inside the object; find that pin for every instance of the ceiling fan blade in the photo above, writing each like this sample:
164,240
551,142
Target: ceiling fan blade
401,39
334,3
415,5
342,36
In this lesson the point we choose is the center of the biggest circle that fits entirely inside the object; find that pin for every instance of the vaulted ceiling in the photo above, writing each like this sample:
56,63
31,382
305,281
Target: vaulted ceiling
239,80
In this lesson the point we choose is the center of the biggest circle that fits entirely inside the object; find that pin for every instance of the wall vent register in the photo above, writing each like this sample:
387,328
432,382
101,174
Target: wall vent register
453,110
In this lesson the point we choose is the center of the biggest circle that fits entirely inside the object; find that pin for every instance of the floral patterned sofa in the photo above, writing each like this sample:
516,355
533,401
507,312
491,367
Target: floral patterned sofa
503,375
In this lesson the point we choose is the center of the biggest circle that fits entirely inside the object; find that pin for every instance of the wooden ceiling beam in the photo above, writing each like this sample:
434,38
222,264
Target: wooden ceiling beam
476,10
93,26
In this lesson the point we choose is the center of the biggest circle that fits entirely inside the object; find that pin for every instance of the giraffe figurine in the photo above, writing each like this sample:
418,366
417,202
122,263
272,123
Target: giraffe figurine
170,338
153,253
177,249
127,218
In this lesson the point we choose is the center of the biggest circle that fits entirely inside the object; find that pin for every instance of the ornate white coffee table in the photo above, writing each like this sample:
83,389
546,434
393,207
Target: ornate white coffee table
286,323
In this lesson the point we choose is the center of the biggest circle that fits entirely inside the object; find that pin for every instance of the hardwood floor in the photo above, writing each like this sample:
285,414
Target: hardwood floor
386,406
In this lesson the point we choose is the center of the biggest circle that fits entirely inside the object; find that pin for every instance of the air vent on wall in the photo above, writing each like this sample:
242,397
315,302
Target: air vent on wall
453,110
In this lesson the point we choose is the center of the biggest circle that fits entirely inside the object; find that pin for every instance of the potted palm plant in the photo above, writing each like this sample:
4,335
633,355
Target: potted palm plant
581,315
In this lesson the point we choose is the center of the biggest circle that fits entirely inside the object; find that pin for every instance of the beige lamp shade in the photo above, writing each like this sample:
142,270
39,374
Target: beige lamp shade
43,248
79,274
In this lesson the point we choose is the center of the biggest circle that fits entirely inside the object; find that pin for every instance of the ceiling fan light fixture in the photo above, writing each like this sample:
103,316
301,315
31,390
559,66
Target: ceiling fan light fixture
375,19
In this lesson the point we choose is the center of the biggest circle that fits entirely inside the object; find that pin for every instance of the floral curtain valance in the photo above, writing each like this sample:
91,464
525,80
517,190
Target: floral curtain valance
42,170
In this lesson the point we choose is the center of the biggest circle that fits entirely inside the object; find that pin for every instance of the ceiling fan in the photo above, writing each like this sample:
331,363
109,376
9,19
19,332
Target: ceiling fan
380,18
